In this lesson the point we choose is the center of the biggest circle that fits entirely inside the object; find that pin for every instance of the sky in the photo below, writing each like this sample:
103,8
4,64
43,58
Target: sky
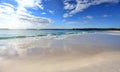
37,14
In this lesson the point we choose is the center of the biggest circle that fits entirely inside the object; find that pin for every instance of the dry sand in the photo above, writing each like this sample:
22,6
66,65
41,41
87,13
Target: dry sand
78,53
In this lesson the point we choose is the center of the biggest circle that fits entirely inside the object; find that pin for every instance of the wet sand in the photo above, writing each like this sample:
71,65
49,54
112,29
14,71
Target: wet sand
76,53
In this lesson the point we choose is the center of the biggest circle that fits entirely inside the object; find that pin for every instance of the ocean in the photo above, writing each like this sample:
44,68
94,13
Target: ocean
12,34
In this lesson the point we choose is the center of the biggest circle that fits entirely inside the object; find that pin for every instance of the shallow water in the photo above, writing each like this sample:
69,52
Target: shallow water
10,34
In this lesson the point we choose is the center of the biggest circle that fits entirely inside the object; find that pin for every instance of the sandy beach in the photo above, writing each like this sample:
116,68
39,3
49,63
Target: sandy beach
76,53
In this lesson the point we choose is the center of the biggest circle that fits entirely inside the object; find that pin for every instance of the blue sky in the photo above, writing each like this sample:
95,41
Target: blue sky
22,14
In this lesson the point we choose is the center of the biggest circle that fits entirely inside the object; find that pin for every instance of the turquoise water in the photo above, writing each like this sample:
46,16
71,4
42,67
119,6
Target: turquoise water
9,34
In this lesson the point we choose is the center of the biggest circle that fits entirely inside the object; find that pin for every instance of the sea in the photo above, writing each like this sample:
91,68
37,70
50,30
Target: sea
14,33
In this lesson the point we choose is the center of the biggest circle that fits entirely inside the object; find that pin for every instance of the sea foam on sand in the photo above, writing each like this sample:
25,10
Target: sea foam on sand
77,53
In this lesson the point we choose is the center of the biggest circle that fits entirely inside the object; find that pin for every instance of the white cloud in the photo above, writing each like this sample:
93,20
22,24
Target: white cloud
106,15
76,22
88,17
21,18
43,13
72,22
66,15
51,11
6,8
23,4
83,4
30,3
7,4
23,21
36,22
68,5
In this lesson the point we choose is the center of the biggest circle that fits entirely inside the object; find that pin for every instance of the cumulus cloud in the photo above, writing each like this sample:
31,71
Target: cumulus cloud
19,18
30,3
81,5
69,5
23,4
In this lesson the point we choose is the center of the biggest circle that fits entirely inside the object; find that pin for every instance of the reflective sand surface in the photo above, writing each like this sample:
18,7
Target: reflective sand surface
77,53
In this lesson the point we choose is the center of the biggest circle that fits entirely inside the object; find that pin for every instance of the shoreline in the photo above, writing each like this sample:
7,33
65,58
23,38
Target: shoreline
67,34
